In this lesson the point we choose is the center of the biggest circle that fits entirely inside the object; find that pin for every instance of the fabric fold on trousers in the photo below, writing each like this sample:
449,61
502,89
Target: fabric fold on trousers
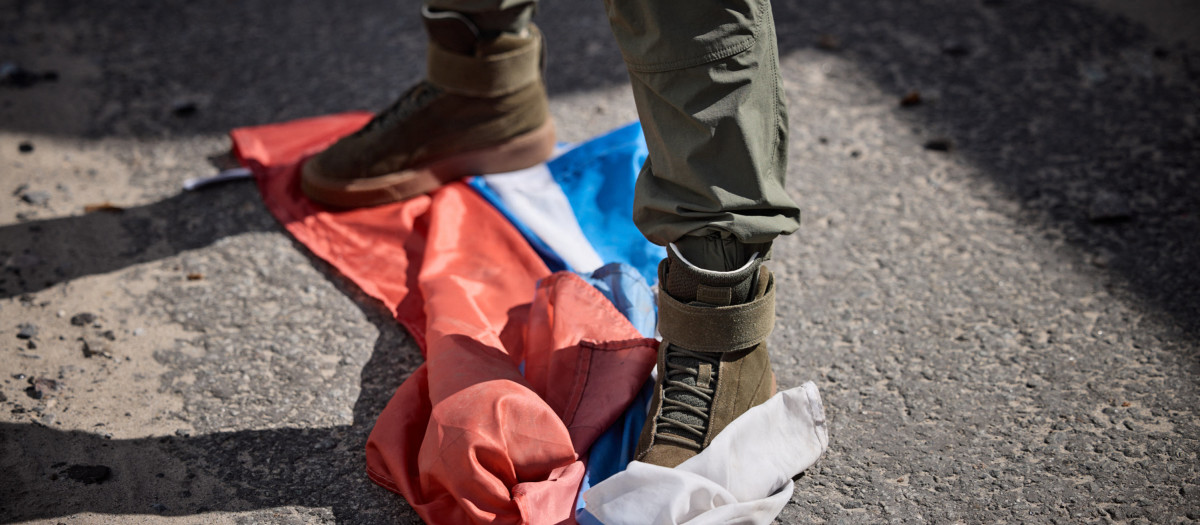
467,437
744,476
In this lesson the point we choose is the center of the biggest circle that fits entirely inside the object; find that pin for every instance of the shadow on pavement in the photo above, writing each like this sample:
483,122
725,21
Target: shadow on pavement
1080,116
245,470
1083,119
41,253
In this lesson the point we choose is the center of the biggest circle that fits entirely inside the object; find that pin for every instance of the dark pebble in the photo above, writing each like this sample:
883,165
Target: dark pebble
89,474
939,144
828,43
910,99
39,386
109,334
20,77
36,198
1108,207
955,49
90,349
83,319
25,147
27,331
184,109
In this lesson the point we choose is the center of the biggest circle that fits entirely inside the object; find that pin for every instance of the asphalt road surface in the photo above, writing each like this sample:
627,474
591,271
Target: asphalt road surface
996,289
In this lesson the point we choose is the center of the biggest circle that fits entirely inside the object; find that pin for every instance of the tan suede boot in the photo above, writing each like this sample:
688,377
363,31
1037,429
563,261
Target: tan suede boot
712,363
482,109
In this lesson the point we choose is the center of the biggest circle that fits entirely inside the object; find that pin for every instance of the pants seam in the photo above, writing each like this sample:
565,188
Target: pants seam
712,56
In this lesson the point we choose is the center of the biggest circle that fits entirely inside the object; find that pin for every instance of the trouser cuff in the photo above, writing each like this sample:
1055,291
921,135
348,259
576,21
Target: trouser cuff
721,252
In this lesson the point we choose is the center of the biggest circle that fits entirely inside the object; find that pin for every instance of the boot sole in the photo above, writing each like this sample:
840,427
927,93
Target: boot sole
520,152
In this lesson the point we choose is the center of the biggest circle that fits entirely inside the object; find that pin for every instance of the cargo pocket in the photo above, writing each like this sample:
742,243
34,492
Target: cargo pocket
657,36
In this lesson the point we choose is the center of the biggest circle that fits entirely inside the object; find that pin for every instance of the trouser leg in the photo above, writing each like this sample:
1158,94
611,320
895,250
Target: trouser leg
705,78
490,16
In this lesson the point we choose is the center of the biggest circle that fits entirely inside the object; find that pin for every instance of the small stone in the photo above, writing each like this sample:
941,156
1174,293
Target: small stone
40,386
83,319
910,99
829,42
91,349
36,198
109,334
27,331
103,207
13,74
158,507
89,474
1108,207
939,144
138,331
30,345
184,109
183,433
955,49
25,147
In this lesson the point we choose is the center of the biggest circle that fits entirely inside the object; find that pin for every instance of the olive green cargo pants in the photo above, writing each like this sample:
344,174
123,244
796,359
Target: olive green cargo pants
705,79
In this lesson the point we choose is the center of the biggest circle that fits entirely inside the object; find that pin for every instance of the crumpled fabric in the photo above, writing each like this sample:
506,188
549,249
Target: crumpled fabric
597,178
468,437
536,205
744,476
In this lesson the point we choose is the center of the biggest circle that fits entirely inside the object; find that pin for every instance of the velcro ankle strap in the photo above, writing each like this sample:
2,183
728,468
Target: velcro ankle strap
485,76
717,328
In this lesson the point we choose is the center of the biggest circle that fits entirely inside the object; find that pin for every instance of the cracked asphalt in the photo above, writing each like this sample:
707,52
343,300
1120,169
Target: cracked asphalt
995,287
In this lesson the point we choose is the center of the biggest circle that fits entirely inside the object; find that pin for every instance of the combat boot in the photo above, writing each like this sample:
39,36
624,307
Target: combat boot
481,109
712,362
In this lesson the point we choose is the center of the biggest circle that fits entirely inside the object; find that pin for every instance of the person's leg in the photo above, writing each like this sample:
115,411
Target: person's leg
706,82
481,109
492,17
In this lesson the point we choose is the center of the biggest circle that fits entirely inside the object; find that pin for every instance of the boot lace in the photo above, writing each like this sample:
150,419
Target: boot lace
685,398
412,100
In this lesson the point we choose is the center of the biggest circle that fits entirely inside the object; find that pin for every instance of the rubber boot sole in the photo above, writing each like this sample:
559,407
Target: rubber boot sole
520,152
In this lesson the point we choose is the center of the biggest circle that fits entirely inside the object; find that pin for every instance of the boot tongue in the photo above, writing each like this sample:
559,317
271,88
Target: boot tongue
691,284
452,31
